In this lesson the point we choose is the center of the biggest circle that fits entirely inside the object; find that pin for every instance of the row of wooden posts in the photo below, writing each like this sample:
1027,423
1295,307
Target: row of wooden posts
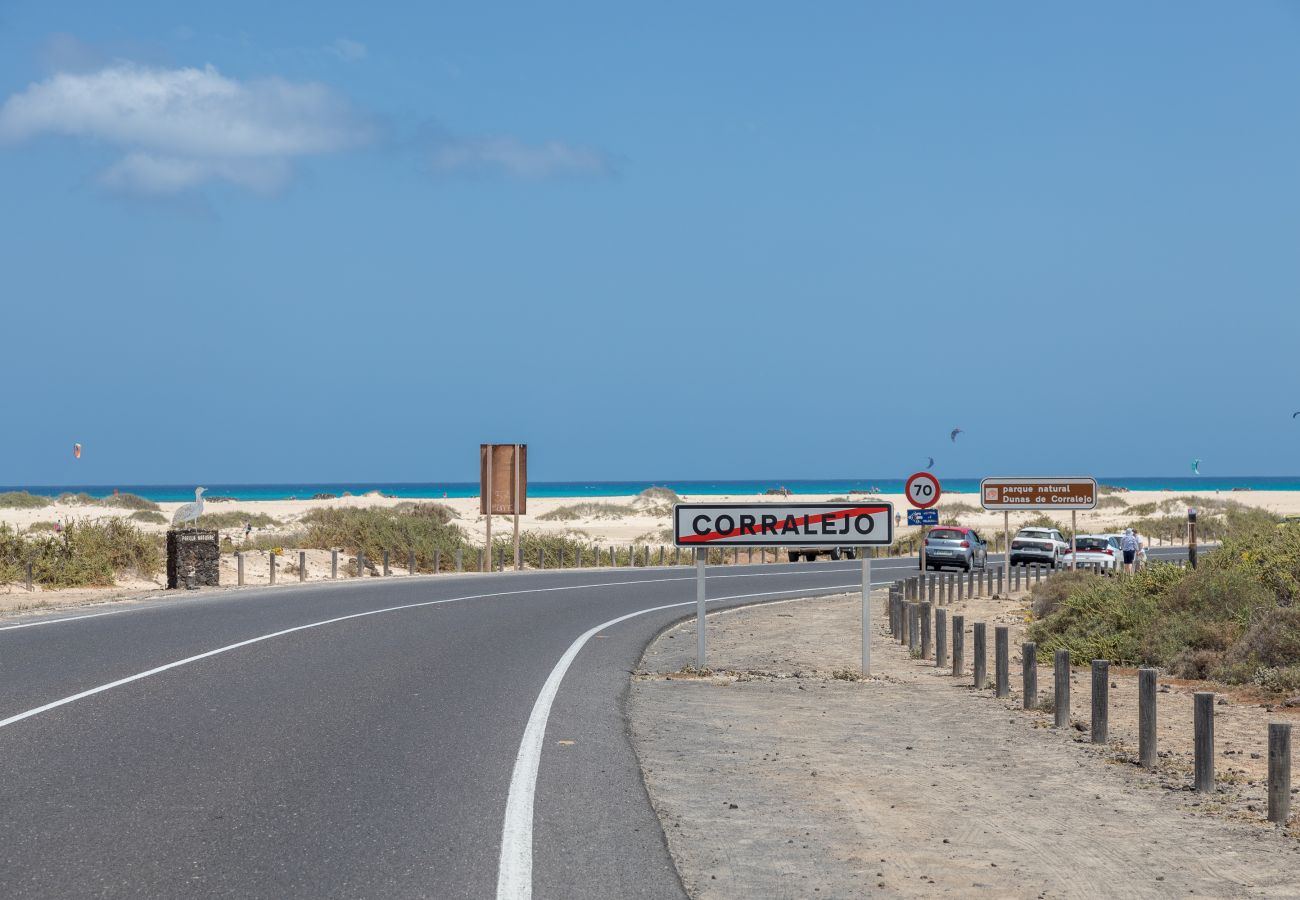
910,621
637,555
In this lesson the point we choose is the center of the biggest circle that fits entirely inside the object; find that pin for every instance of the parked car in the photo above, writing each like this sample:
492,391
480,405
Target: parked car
1038,546
1139,560
954,545
1094,549
811,553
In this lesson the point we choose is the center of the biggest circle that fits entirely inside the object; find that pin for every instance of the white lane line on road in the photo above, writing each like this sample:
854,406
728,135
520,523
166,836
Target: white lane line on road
515,867
61,619
166,667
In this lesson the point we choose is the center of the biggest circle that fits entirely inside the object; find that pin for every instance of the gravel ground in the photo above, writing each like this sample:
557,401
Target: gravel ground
775,778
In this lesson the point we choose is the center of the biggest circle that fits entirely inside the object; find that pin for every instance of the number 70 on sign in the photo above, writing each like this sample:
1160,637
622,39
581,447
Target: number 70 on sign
923,490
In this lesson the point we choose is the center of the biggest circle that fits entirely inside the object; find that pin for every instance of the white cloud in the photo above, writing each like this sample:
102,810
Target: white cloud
511,157
348,51
180,128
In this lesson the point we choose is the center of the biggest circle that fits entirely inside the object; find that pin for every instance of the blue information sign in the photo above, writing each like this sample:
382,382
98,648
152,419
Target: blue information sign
923,517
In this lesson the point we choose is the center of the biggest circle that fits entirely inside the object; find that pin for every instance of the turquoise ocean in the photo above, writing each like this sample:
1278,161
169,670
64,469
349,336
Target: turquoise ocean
437,489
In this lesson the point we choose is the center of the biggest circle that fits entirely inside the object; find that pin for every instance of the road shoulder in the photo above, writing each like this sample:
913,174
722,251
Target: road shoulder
775,778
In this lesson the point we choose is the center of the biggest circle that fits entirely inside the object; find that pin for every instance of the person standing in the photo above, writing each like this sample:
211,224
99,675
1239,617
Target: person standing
1129,545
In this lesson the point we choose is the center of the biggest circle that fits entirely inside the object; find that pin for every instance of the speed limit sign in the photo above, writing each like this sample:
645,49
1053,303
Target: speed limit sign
923,490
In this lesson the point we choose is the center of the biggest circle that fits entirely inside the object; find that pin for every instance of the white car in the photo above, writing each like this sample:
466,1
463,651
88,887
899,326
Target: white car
1094,549
1140,560
1038,546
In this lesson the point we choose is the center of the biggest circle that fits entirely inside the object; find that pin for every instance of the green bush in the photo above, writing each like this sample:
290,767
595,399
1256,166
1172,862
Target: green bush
588,510
82,499
234,518
130,501
1236,618
42,526
89,554
375,530
660,495
22,500
148,515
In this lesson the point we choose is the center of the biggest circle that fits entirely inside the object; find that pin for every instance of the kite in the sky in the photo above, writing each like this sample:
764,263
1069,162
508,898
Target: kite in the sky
76,451
955,432
930,464
1196,467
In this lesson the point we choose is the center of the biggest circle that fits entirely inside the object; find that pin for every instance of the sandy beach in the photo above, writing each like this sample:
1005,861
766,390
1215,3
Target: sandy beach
631,519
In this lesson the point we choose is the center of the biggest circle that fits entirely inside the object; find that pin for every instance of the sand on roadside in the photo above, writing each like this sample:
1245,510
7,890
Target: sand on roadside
773,777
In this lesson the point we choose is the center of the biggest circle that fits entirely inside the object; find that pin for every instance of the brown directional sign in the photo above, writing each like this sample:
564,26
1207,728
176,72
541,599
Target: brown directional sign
499,466
1038,493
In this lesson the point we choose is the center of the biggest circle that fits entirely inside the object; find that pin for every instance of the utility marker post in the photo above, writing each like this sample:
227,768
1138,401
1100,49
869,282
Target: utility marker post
701,640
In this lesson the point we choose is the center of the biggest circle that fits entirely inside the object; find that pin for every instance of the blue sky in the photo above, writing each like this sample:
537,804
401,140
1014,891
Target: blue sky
269,242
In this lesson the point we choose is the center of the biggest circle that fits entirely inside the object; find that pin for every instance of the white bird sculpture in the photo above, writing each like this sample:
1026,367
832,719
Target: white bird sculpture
190,512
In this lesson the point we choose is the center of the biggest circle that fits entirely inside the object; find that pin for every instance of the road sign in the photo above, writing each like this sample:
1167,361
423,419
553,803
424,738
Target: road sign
783,524
923,517
1038,493
923,490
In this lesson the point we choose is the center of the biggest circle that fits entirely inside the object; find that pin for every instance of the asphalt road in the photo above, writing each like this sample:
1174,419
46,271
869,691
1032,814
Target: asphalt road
355,739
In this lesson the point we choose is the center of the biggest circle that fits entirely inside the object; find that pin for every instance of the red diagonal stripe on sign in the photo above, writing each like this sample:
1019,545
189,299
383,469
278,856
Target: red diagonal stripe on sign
806,521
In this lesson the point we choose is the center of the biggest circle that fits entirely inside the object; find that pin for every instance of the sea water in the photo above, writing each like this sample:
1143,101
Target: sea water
439,489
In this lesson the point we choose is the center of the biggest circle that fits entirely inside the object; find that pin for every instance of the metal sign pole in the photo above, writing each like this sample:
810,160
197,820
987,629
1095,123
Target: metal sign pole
1074,540
866,612
701,642
518,558
488,549
1006,546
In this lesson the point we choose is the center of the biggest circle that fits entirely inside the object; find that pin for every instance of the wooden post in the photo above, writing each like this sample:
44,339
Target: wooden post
239,567
541,557
1029,674
361,564
270,562
958,646
961,583
970,579
663,551
28,569
1062,688
940,638
577,558
927,610
460,559
1001,571
1100,700
1147,718
410,562
501,559
1001,661
981,656
1203,721
437,561
929,588
1279,772
334,563
913,626
302,565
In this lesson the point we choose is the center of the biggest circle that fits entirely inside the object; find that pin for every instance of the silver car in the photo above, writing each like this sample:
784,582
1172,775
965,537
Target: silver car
955,545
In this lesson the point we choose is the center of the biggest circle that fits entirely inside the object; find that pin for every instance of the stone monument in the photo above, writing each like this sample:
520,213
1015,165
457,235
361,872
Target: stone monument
193,558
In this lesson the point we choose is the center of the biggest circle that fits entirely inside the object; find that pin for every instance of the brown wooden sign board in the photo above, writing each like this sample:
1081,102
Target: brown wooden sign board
1038,493
497,475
